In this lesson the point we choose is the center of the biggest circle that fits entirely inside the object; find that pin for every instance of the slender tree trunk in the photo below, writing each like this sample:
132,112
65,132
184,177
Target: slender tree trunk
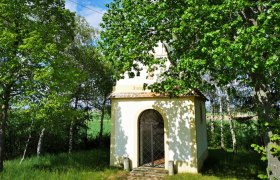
102,121
86,136
2,134
212,115
3,120
27,142
71,129
222,123
70,147
86,122
233,137
39,146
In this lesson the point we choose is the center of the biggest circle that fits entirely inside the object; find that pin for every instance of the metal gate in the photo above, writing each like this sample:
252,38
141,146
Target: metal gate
151,139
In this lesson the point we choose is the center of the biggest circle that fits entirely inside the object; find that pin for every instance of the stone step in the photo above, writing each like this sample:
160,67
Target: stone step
156,173
147,175
150,169
144,178
135,172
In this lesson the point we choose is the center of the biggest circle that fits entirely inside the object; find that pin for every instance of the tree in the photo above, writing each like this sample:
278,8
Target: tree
222,121
229,113
95,83
32,36
227,40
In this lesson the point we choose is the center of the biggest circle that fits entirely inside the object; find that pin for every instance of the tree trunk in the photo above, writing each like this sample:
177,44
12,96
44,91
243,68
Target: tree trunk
71,129
3,120
265,103
27,142
212,115
70,137
233,137
86,129
222,123
102,121
39,146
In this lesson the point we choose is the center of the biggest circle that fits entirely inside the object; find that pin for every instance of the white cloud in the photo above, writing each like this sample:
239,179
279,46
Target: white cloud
93,15
71,6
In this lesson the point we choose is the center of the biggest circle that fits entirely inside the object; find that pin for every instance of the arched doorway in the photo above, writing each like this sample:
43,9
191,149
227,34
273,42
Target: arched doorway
151,139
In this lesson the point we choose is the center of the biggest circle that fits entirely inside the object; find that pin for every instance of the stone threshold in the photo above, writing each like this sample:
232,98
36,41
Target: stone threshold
149,173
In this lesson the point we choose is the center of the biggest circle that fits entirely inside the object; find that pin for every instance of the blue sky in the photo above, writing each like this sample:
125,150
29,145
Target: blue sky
92,10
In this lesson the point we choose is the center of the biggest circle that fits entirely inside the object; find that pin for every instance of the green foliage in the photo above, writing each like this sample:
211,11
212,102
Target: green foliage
57,123
227,40
275,150
34,69
261,150
246,134
275,138
95,83
95,73
47,59
274,147
31,45
262,176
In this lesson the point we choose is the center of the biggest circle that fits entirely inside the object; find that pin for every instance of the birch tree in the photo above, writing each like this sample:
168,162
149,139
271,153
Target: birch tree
95,81
221,121
232,132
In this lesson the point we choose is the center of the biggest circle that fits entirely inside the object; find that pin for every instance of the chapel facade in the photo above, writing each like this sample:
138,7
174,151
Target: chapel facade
152,130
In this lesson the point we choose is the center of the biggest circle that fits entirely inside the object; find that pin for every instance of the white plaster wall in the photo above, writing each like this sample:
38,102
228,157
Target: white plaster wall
180,137
136,83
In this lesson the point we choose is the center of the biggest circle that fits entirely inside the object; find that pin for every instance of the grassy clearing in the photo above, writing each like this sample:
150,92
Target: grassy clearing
94,164
187,176
94,125
226,165
80,165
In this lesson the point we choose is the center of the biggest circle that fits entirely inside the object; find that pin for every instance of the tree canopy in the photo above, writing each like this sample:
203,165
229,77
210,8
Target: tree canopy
231,40
227,40
33,36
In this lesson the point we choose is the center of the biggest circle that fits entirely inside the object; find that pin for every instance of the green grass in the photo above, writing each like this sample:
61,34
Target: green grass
94,125
94,164
226,165
79,165
187,176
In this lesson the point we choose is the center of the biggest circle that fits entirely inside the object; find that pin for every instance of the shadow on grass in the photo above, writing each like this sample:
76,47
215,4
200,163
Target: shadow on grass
93,160
223,164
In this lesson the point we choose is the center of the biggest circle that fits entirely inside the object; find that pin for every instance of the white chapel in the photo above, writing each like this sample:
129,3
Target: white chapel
152,130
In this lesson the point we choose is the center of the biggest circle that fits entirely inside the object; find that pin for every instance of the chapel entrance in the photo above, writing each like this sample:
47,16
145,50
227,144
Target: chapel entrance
151,139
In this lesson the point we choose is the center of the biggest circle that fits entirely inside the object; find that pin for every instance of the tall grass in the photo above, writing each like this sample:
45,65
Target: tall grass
94,165
80,165
226,165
